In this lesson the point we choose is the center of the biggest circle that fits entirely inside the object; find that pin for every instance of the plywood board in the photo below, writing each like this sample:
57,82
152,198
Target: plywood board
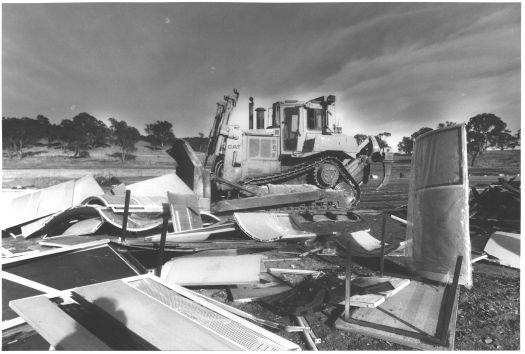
57,327
506,247
152,320
395,329
47,201
207,271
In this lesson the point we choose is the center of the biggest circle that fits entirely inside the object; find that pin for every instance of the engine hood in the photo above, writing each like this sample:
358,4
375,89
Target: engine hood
334,142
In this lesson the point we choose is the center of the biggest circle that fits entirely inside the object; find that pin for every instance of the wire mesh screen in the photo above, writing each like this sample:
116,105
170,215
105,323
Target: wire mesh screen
245,337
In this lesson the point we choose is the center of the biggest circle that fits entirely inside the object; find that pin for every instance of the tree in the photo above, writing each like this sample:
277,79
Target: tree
360,138
503,140
406,145
124,136
382,143
446,124
407,142
160,133
482,132
202,142
420,132
20,133
84,132
516,140
12,136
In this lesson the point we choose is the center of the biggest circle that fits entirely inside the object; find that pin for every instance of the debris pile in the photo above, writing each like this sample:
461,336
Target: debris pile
497,207
495,218
151,265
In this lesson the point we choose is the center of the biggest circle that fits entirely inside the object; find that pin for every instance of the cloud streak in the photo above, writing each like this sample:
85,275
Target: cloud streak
393,67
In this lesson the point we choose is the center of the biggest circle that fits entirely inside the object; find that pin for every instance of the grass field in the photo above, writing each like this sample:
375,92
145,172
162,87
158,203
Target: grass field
507,162
144,158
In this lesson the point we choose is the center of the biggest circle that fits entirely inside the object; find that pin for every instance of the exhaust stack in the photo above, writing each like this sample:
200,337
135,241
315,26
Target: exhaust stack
260,117
250,113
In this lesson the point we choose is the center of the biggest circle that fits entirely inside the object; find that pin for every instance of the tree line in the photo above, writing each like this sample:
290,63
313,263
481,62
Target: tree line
80,134
483,131
85,132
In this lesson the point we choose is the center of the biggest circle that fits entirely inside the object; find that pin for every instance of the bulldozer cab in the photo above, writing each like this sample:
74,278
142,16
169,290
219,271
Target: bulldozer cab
300,121
290,130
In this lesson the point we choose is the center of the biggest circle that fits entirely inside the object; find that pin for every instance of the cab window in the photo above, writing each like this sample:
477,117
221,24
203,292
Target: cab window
314,119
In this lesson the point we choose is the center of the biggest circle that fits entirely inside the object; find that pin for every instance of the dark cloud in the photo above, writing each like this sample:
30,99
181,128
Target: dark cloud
393,66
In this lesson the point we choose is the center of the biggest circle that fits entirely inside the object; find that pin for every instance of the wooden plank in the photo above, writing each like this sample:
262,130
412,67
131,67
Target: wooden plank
306,334
383,236
67,241
8,324
153,321
291,271
448,304
29,283
198,234
348,279
162,246
6,252
32,254
477,257
403,221
375,299
264,201
249,293
58,328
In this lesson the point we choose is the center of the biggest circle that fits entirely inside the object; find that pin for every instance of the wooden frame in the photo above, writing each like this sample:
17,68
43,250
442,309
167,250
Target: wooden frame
443,339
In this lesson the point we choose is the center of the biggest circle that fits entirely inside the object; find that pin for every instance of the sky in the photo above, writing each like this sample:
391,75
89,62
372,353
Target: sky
393,67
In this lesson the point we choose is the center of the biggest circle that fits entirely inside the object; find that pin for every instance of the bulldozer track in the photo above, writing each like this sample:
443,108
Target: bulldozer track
303,169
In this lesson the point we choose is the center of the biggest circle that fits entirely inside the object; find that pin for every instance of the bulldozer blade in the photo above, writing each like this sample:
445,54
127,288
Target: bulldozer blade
387,171
189,167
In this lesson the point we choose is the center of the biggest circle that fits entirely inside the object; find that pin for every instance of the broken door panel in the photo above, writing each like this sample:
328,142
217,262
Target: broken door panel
438,211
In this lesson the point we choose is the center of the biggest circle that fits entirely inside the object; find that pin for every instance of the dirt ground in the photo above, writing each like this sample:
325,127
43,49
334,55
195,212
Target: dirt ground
488,314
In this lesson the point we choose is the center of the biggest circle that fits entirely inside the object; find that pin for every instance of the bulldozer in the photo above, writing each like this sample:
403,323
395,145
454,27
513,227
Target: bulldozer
295,158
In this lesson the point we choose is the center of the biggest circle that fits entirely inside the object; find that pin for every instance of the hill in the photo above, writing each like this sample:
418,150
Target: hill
489,163
43,157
